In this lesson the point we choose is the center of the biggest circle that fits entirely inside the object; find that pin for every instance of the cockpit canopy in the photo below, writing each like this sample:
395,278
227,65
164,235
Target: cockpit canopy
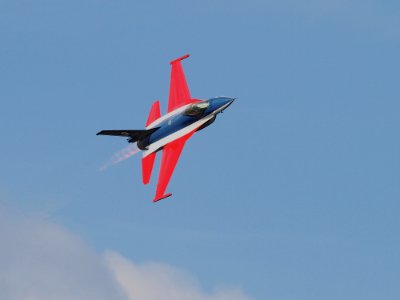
196,109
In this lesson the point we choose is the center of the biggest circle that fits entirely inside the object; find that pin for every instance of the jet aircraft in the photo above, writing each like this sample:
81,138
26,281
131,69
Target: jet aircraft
169,133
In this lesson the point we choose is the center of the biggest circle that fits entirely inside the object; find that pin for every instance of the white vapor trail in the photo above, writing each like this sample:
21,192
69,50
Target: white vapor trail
121,155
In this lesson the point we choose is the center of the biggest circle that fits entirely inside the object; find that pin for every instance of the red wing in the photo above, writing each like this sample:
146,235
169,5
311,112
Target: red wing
170,156
179,94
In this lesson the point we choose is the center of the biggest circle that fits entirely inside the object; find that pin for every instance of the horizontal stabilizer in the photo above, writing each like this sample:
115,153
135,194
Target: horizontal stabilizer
147,167
154,113
134,135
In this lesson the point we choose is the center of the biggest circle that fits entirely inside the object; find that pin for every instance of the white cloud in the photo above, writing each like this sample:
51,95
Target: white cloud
154,281
40,260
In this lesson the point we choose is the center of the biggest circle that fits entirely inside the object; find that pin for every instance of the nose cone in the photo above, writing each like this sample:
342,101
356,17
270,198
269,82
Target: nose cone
228,102
222,103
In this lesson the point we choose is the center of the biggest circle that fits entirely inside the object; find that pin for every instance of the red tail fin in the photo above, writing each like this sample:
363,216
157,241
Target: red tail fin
147,167
154,113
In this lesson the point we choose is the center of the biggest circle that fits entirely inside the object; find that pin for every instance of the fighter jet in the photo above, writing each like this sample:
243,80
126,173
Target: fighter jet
169,133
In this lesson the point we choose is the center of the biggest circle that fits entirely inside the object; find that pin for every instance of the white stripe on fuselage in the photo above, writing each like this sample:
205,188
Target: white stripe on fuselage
168,115
176,135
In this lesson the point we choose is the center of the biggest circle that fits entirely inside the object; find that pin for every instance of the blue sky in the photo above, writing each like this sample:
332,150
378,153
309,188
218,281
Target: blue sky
293,193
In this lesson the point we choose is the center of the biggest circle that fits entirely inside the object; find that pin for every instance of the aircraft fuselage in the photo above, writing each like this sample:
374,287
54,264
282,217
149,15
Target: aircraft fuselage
181,121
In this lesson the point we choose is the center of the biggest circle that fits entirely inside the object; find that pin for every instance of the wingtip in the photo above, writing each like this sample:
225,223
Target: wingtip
180,58
162,197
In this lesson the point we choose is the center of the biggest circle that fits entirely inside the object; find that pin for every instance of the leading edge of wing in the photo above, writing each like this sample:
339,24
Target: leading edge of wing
179,93
170,157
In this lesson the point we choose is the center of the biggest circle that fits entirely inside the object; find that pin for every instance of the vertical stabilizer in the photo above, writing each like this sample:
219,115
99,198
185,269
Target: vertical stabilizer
154,113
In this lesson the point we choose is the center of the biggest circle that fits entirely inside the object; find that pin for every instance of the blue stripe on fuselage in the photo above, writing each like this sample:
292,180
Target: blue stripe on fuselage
171,125
180,121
